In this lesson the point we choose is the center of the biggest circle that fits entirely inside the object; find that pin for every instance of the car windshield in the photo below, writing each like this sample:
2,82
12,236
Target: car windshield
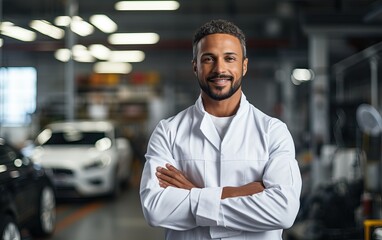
74,137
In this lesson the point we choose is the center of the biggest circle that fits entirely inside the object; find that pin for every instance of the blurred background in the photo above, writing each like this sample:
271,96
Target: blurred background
314,64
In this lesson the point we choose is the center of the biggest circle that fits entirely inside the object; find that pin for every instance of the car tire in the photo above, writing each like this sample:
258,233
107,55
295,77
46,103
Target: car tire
8,228
45,220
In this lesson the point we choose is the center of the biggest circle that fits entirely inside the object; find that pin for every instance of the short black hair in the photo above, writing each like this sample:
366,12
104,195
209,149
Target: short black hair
218,26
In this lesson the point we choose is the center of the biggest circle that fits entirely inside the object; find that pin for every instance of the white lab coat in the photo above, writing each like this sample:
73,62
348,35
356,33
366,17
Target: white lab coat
256,147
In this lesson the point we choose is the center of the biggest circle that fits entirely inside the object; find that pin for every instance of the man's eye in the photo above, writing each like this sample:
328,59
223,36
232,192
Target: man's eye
207,59
230,59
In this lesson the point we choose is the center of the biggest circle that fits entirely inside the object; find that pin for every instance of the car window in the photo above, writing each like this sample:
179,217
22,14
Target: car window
83,138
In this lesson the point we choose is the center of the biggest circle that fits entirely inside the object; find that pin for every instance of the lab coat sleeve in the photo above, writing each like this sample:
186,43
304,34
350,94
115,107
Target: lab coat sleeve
170,207
277,206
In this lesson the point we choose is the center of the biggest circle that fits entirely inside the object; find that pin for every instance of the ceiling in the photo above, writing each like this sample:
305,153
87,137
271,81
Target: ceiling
269,24
275,29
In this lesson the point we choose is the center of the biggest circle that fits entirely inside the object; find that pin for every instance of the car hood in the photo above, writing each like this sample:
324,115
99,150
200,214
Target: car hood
66,156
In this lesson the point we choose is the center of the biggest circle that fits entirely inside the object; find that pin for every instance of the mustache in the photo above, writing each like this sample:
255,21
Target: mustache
211,77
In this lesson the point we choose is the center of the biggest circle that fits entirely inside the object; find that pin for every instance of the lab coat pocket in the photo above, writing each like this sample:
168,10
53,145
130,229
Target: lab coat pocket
240,172
194,169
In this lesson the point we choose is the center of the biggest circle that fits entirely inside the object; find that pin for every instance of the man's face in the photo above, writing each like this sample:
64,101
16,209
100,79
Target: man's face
219,65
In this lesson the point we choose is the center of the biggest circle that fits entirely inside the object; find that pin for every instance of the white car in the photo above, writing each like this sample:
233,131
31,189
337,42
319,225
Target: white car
85,157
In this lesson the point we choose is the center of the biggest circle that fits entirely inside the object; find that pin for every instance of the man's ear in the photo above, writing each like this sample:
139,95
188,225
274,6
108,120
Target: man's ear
194,67
245,65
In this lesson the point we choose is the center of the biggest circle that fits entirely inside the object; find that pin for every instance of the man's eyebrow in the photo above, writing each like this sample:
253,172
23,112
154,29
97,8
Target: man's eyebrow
207,54
226,53
230,53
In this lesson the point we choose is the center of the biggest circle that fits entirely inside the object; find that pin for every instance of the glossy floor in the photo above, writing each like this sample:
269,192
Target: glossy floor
103,218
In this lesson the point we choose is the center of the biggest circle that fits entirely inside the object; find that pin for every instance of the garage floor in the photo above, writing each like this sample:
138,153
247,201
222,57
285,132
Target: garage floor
102,218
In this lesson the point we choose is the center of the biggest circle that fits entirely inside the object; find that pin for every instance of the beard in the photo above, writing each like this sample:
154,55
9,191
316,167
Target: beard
216,93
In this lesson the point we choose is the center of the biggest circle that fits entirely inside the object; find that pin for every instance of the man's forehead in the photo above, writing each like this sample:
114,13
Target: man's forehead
217,40
225,43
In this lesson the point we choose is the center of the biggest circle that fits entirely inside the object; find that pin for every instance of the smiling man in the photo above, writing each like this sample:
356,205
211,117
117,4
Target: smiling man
221,169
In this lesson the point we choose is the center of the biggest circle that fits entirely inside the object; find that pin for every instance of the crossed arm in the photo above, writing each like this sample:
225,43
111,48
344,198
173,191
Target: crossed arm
169,176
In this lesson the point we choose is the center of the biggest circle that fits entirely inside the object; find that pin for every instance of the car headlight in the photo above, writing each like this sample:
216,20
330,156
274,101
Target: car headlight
98,163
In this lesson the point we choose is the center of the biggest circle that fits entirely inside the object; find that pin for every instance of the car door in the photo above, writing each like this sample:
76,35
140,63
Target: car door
19,182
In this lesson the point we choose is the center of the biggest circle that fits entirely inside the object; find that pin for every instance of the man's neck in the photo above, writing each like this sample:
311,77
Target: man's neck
223,108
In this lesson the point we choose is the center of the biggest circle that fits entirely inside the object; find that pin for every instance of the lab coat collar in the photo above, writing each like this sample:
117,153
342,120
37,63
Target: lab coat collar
242,108
207,126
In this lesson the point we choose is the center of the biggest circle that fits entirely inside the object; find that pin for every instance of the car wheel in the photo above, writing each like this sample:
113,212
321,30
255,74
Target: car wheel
8,228
45,220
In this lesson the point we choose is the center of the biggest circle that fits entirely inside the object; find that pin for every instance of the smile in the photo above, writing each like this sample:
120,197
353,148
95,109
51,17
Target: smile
220,80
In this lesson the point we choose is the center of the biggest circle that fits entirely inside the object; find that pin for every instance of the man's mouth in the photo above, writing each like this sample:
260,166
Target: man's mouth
220,79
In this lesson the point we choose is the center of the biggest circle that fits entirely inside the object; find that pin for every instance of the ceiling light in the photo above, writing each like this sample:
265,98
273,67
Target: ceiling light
300,75
127,56
81,54
47,28
78,49
112,67
62,21
79,26
99,51
13,31
84,57
133,38
62,54
103,23
146,5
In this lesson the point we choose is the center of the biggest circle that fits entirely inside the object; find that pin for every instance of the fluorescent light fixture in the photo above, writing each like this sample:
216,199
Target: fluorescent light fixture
133,38
47,28
146,5
81,54
62,54
112,67
103,23
127,56
62,21
78,49
13,31
77,25
81,27
84,57
300,75
99,51
3,168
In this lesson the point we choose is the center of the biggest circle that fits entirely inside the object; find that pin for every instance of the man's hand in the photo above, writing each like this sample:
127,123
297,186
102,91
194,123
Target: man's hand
170,176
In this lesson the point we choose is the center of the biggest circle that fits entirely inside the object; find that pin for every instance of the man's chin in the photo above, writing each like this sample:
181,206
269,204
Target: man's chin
220,96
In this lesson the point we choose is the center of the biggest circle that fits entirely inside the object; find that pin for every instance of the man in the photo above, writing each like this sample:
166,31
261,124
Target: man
220,169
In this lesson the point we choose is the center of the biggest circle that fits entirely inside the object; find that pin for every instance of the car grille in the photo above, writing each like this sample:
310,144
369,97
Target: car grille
66,192
60,171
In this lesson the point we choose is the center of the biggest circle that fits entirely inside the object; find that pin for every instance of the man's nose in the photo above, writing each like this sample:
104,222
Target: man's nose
220,66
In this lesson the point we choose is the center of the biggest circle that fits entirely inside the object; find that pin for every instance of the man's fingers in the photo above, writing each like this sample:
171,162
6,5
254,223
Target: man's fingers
172,172
172,168
173,177
167,177
164,184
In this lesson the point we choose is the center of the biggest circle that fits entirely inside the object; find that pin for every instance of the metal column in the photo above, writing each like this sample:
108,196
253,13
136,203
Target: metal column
319,102
70,86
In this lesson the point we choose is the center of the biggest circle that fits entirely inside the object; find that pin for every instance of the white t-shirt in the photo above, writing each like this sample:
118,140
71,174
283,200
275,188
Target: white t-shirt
221,124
